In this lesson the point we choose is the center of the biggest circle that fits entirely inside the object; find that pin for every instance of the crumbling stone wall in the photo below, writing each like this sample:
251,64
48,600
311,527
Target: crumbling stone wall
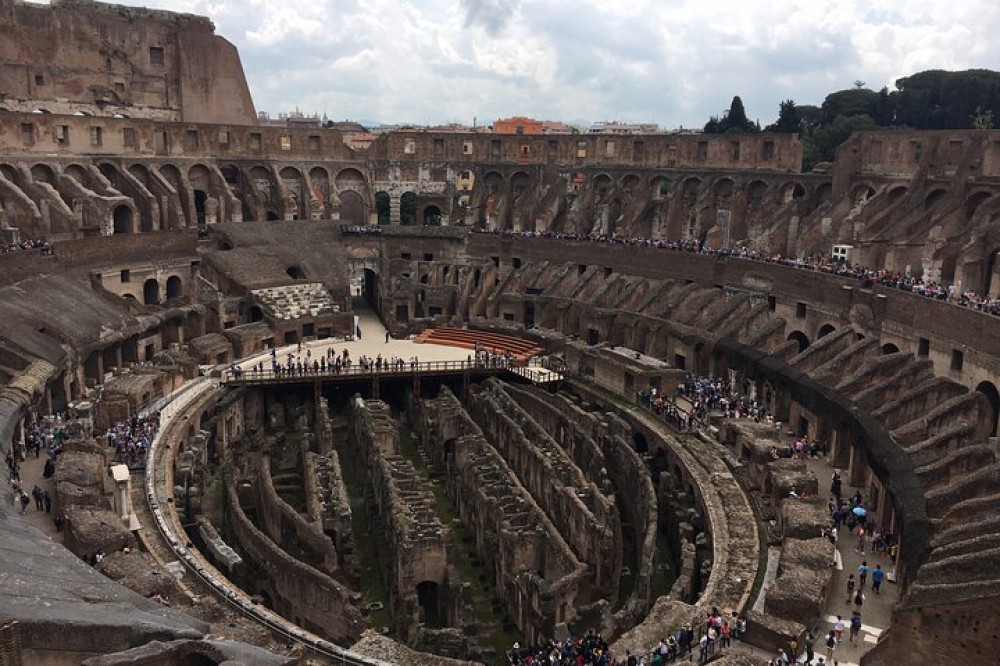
284,525
535,570
296,590
587,518
413,542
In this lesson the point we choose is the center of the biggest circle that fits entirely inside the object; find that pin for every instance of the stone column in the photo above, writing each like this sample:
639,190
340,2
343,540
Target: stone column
394,209
122,493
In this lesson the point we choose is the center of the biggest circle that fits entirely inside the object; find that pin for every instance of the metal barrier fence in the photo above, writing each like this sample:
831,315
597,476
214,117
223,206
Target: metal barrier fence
355,370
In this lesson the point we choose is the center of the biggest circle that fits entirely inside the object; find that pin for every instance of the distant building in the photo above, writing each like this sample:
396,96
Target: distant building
517,125
615,127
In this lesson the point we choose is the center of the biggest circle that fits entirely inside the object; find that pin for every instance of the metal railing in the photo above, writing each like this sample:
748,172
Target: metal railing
355,370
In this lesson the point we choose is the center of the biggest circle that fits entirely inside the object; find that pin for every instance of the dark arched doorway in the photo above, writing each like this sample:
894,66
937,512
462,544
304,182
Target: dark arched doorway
639,443
799,337
383,207
826,329
889,348
408,208
296,272
432,216
175,288
989,389
427,597
199,206
151,292
122,217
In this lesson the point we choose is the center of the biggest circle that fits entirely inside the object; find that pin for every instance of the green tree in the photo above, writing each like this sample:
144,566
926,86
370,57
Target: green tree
737,116
850,102
789,120
983,118
827,138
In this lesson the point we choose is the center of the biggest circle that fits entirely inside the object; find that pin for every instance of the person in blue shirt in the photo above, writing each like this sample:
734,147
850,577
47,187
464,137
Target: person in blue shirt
877,577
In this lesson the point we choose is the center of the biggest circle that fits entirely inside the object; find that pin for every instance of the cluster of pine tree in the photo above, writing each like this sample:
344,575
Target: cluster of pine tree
934,99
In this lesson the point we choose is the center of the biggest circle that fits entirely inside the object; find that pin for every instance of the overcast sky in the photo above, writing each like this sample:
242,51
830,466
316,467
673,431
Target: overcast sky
673,62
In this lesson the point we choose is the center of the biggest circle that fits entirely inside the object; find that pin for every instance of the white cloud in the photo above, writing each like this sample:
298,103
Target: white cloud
670,61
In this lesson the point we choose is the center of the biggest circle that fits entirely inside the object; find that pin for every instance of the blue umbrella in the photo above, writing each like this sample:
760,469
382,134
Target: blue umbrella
859,511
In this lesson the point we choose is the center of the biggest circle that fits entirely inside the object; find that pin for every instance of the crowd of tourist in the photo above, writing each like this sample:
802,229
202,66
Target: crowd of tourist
687,643
131,439
39,245
361,230
821,262
700,396
304,363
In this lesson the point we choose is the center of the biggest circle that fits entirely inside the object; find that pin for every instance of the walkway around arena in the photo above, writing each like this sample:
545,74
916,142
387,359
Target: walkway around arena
430,357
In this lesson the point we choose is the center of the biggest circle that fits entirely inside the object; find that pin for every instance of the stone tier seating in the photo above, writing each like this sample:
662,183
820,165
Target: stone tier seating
493,342
295,301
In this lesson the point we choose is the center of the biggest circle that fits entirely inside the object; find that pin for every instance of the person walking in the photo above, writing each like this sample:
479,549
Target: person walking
47,500
850,588
855,625
877,577
831,645
862,574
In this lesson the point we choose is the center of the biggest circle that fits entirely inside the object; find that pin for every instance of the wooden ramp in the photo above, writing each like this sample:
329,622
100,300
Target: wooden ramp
467,338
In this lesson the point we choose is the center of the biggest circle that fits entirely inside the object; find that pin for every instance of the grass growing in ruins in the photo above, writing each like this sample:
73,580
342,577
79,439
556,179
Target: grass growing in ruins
373,587
464,559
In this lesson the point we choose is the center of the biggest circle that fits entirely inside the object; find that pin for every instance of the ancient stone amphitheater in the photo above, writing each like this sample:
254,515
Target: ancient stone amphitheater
436,512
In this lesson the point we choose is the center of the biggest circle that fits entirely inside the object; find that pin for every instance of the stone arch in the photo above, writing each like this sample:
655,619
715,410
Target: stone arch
151,292
319,180
43,173
493,181
861,193
889,348
231,174
140,173
9,172
123,220
383,207
289,173
350,179
800,338
175,287
603,183
295,272
792,191
723,188
689,190
824,192
756,192
974,201
77,173
825,329
171,173
519,182
408,208
660,185
989,389
352,207
431,216
630,183
200,177
897,192
110,172
933,197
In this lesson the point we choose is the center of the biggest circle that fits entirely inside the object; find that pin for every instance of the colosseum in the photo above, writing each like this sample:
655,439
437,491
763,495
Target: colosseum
268,397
